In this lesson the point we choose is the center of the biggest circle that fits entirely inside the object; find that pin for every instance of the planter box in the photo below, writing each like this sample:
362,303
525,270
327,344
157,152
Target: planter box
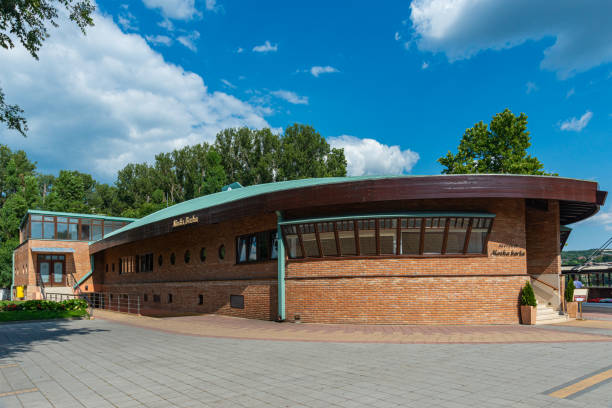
572,309
528,314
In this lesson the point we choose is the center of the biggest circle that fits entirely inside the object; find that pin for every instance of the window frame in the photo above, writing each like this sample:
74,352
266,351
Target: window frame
443,221
261,237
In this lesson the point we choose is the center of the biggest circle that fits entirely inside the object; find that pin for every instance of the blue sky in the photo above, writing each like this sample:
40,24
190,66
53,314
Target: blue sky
395,84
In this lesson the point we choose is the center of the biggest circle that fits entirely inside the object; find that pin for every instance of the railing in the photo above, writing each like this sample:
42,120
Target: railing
546,292
118,302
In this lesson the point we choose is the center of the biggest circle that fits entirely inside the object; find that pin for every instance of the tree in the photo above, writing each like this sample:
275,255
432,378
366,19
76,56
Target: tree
27,21
305,153
500,147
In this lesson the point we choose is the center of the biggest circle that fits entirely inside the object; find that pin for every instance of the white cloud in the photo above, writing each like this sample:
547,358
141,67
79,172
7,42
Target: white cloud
189,40
318,70
167,24
114,100
370,157
228,84
531,87
397,36
570,93
211,5
603,218
577,124
425,65
240,50
175,9
266,47
290,97
127,20
159,40
462,28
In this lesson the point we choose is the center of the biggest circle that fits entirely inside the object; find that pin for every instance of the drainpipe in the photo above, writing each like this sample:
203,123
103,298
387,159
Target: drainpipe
281,268
13,281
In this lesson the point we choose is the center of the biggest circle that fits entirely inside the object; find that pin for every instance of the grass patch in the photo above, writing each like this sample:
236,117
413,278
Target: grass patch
21,315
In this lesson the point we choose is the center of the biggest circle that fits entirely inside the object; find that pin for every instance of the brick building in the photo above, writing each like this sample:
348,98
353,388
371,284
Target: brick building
408,249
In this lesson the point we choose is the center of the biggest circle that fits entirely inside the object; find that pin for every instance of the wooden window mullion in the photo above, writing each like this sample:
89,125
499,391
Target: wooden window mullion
445,239
299,234
422,239
377,235
467,236
338,249
486,243
398,238
316,228
357,246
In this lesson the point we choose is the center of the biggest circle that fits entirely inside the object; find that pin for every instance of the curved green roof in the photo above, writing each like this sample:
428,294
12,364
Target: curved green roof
235,194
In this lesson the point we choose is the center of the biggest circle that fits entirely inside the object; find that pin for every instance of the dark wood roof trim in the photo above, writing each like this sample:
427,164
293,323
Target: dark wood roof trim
583,193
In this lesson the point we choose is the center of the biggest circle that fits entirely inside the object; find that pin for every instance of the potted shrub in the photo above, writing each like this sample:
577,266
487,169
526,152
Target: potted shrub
571,306
528,305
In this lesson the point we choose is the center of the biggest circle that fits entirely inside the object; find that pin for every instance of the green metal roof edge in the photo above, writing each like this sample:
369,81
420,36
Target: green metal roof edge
224,197
564,228
74,215
391,215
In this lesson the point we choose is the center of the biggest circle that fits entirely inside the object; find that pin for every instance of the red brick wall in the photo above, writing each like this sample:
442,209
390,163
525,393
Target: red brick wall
214,278
543,246
468,290
76,263
406,300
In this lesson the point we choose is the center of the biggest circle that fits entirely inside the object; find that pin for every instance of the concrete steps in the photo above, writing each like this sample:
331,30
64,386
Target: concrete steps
548,315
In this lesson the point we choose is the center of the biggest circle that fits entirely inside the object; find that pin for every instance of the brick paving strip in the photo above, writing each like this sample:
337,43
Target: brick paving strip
237,328
18,392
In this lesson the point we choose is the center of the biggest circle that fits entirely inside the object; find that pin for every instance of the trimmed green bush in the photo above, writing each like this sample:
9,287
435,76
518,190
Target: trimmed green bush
527,296
43,305
569,291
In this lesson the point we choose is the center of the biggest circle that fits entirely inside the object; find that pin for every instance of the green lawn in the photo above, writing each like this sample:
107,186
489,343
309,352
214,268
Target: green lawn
39,315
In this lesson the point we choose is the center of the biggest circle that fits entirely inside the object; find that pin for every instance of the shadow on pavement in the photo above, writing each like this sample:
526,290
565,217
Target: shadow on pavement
16,338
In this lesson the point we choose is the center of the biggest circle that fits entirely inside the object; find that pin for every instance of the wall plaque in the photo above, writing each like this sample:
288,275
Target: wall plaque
184,221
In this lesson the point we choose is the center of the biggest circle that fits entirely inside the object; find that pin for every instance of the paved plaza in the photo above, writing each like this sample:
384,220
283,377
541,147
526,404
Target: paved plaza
113,361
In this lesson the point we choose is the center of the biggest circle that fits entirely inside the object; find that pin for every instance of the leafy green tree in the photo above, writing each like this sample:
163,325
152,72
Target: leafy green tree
305,153
249,156
500,147
27,21
70,193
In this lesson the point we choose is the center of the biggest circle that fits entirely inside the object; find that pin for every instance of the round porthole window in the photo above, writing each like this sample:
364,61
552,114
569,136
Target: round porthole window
160,260
203,254
187,256
222,252
172,258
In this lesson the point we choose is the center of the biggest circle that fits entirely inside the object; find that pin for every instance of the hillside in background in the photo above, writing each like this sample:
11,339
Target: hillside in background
578,257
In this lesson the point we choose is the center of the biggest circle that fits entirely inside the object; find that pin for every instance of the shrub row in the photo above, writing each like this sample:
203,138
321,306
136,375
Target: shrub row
43,305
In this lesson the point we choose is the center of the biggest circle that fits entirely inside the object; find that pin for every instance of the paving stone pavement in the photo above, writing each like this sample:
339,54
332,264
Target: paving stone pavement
101,363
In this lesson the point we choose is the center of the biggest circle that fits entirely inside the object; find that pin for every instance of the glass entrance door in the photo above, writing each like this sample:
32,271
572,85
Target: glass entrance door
58,272
43,268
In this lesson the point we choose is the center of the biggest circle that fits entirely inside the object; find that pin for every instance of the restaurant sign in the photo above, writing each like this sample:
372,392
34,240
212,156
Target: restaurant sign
184,221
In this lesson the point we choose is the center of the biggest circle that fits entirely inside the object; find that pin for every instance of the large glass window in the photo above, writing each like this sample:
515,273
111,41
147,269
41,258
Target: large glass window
36,226
367,236
96,230
408,235
346,237
457,229
434,235
327,236
411,236
388,236
261,246
309,240
478,235
292,241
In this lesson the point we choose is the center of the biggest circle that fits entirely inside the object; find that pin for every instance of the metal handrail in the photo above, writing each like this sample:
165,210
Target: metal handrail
544,283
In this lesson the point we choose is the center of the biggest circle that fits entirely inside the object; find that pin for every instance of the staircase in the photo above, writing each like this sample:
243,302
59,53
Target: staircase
548,315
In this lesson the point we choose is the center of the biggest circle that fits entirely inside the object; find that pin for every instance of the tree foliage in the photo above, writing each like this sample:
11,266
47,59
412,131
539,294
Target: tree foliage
528,296
500,147
27,20
245,155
